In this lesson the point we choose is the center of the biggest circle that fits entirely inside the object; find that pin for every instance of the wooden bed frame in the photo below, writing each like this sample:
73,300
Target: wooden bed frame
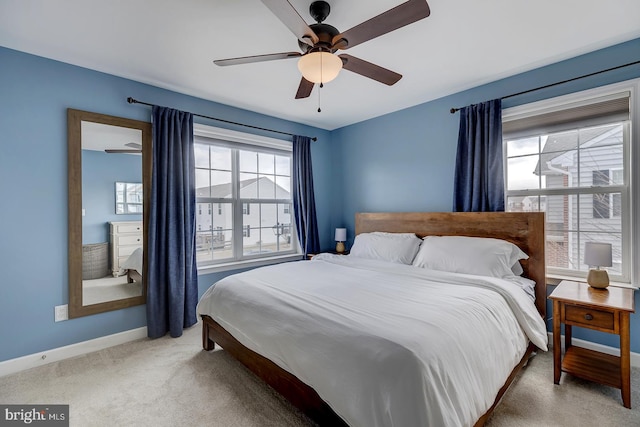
526,230
133,276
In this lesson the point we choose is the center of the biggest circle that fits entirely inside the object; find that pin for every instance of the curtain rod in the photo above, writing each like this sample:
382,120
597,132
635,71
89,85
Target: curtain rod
131,100
453,110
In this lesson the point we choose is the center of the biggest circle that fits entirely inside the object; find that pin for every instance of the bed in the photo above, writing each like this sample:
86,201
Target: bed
132,266
398,383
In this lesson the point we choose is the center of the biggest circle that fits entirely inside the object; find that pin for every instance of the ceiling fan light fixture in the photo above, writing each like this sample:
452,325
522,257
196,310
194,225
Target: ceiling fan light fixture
320,67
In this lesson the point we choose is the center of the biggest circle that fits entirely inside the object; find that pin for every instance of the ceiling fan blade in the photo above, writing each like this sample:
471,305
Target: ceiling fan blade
367,69
404,14
119,150
256,58
305,88
286,13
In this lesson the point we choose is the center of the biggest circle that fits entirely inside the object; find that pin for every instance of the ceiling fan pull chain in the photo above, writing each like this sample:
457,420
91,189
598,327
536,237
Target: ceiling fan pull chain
321,85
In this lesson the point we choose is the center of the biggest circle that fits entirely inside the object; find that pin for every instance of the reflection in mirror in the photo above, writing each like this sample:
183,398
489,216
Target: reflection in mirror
106,246
128,198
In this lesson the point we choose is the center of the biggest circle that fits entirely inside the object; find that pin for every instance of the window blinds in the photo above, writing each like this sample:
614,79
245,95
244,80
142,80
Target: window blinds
589,112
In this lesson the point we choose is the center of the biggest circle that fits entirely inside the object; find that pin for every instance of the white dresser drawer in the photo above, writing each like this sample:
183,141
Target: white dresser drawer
126,237
129,240
128,228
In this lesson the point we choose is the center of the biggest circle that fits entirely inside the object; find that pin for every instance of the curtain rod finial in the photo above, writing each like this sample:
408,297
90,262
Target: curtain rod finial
453,110
130,100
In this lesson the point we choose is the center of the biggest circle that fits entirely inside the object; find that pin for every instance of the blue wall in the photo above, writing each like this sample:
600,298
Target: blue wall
398,162
34,96
100,172
404,161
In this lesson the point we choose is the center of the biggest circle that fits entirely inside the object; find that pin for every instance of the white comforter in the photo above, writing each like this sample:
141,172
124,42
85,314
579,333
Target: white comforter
134,262
383,344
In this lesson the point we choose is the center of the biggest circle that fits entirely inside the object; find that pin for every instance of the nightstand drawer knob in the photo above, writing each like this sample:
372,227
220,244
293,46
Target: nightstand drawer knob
588,317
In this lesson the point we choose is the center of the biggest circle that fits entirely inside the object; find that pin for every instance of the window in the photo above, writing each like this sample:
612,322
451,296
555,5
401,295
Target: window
607,205
601,201
569,159
251,186
128,198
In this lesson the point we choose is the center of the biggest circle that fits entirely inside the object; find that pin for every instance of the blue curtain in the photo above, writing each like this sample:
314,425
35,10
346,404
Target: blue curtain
304,205
172,279
479,179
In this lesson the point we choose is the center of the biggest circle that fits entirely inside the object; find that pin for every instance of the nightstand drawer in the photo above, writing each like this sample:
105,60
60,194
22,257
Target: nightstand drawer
589,317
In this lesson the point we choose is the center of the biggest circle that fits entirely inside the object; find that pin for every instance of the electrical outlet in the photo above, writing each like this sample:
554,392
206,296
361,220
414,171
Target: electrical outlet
61,312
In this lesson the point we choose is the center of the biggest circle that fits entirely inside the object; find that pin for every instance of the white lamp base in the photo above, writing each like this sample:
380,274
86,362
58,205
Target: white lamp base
598,278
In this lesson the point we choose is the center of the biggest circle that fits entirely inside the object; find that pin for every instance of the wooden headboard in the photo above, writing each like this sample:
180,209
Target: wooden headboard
524,229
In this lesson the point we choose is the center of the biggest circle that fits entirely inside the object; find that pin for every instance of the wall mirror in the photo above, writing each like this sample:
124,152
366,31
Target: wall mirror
106,247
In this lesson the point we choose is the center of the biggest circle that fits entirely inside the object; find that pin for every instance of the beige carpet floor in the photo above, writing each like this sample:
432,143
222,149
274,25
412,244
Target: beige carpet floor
172,382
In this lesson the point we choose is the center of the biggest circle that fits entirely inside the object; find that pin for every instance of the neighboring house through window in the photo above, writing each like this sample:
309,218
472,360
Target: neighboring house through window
249,179
569,157
607,205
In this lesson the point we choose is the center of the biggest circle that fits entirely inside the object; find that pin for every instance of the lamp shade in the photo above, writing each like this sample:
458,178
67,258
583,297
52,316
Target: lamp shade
319,67
341,234
597,254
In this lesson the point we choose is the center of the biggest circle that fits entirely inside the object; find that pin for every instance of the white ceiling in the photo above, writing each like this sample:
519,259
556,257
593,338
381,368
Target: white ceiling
171,44
100,137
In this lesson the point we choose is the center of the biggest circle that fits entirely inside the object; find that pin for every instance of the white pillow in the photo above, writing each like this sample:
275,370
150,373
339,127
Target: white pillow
517,268
527,285
469,255
393,247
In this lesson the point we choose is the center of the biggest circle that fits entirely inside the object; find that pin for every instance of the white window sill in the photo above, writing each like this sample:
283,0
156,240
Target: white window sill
555,279
237,265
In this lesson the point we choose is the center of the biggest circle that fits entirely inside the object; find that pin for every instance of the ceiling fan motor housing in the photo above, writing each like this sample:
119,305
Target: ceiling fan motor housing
325,33
319,10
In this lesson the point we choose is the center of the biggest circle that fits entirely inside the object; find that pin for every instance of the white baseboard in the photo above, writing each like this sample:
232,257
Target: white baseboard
42,358
635,357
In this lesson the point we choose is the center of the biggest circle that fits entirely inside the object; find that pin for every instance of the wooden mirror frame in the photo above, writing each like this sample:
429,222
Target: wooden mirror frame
74,138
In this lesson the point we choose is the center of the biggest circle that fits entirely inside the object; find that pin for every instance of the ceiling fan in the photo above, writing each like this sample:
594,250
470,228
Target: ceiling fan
135,148
318,62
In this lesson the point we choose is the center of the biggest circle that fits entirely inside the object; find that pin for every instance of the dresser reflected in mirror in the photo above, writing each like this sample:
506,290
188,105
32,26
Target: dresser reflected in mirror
109,172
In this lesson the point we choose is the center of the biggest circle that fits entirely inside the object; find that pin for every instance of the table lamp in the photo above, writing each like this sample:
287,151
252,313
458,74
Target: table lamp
341,237
597,255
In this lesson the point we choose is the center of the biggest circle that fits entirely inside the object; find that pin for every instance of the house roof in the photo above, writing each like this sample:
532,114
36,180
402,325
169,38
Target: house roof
560,143
224,190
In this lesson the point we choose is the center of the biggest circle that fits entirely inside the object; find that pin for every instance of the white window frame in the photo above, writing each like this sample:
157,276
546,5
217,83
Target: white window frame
246,140
631,204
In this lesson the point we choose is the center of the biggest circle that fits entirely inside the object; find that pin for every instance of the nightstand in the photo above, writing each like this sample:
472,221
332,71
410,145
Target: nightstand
606,310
